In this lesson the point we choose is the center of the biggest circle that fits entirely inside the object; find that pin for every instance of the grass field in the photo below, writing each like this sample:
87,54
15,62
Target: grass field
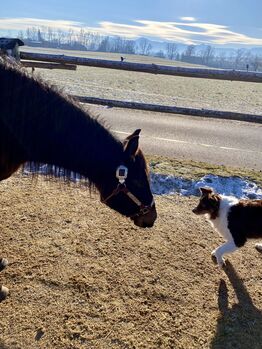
148,88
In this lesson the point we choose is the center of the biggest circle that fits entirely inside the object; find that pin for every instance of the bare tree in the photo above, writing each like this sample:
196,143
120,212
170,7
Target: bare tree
240,54
43,32
70,35
171,49
104,45
20,34
221,59
130,46
95,39
256,62
208,54
145,47
28,33
160,54
188,54
81,36
190,50
117,44
50,34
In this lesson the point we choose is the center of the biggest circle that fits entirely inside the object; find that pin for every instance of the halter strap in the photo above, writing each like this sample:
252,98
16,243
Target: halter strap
121,187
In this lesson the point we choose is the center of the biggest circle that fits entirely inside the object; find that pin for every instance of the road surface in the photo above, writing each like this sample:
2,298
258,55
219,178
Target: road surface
222,142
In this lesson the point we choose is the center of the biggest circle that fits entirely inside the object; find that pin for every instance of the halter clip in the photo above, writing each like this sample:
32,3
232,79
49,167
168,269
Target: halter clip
121,173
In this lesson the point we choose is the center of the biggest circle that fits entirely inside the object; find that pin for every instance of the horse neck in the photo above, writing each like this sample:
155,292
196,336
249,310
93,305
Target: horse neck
79,144
46,127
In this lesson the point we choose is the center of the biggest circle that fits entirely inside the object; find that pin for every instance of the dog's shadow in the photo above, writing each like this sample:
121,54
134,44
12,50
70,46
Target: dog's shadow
240,326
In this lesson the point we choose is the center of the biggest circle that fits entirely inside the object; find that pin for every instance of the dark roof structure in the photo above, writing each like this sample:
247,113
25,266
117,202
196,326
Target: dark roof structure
10,43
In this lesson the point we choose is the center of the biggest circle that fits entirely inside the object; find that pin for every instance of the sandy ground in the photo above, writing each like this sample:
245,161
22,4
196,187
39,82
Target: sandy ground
81,276
177,91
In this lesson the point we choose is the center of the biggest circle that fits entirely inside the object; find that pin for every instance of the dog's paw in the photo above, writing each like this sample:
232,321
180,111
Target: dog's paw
217,259
221,263
214,258
3,263
4,291
258,247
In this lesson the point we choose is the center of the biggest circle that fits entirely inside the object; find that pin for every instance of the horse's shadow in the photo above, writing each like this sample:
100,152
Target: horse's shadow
240,326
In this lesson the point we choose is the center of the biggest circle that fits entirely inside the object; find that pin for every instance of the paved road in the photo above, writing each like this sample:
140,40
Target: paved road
216,141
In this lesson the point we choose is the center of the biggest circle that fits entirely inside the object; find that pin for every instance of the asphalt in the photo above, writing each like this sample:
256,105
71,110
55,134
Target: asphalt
216,141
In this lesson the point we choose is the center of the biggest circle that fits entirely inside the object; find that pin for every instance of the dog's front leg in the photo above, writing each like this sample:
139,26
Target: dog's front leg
227,247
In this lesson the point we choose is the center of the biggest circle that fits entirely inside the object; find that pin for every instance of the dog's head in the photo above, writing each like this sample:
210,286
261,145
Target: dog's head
208,204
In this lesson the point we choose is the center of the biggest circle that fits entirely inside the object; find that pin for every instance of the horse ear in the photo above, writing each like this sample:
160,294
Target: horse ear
131,144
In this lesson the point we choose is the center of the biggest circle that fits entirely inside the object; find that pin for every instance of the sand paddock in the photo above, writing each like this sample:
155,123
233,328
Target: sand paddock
81,276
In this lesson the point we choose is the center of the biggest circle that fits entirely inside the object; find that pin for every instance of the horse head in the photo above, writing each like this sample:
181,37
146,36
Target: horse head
129,190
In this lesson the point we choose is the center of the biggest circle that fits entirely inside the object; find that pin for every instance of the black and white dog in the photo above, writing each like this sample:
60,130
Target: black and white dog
236,220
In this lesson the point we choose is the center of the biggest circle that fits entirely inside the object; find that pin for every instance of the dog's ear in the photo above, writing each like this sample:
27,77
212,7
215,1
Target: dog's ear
206,191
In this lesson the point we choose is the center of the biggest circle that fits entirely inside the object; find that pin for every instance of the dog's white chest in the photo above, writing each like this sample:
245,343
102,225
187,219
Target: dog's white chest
221,222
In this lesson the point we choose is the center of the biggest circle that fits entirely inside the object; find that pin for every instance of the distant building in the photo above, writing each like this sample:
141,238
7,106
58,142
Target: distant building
10,47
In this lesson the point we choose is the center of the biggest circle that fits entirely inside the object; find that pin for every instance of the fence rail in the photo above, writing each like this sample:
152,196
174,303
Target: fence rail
171,109
232,75
44,65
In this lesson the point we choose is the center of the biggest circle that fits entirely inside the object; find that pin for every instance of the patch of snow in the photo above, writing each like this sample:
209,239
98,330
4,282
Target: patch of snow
170,185
235,186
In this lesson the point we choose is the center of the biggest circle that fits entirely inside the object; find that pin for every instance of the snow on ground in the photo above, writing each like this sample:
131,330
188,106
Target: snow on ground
235,186
169,185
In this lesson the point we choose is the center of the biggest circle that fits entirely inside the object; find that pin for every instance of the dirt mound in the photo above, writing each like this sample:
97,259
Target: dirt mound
81,276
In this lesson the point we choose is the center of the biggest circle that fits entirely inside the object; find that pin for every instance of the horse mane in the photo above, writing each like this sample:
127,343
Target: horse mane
69,106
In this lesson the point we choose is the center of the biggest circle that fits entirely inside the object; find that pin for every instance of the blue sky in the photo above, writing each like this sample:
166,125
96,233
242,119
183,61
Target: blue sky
215,22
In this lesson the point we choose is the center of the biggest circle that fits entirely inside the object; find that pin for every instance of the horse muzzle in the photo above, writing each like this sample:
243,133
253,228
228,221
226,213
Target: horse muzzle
146,217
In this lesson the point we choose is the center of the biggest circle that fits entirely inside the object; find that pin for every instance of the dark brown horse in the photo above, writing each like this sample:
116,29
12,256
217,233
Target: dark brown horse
40,125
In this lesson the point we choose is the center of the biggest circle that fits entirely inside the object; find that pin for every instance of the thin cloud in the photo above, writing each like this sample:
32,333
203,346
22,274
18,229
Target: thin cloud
186,31
183,32
24,23
190,19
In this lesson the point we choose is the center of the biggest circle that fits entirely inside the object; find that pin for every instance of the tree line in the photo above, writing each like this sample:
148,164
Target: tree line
92,41
209,56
